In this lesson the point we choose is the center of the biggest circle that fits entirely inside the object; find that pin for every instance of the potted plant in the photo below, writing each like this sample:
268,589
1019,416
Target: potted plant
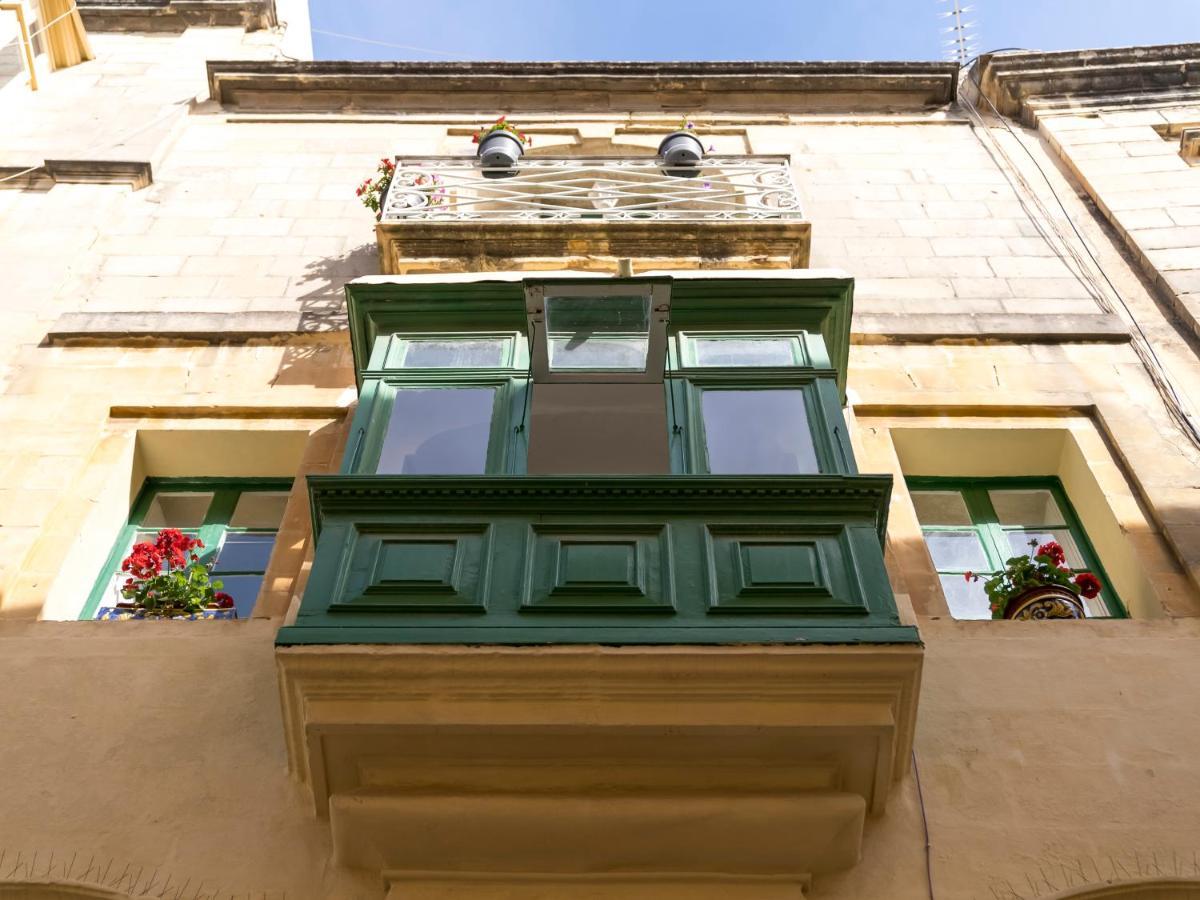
681,150
1039,586
501,144
417,188
166,580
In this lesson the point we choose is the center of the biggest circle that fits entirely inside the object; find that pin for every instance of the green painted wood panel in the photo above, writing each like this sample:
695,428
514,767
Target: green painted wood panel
520,560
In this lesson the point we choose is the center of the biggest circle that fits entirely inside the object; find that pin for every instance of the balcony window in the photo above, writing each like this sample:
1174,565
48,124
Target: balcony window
598,333
237,520
757,432
976,525
452,351
438,431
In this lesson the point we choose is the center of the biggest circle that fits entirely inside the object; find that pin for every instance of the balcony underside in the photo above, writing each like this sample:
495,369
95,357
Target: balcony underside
623,769
411,247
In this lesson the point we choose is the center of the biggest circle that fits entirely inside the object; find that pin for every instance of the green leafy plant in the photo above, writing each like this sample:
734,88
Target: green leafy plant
1045,566
166,578
501,124
373,190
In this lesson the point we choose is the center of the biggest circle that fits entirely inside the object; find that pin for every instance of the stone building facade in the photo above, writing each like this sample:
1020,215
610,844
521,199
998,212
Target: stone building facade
1001,267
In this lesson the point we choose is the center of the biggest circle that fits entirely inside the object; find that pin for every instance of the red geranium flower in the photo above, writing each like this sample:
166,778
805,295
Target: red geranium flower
1088,584
222,600
1053,550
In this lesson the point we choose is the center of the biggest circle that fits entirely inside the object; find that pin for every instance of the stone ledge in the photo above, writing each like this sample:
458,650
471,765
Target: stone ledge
1069,79
949,328
174,16
449,246
118,328
80,171
484,87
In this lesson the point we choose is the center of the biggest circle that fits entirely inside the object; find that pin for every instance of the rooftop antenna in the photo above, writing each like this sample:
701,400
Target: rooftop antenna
961,45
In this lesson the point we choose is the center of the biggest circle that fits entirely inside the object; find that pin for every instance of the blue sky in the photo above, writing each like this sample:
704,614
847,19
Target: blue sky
729,29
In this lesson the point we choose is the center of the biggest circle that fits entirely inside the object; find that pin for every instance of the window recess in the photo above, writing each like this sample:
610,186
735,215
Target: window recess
976,525
236,519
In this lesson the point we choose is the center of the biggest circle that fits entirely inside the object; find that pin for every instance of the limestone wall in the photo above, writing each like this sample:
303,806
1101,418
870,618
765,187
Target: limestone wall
1050,757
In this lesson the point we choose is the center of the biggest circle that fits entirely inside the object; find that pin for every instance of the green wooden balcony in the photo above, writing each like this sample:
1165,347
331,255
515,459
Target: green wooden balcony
598,560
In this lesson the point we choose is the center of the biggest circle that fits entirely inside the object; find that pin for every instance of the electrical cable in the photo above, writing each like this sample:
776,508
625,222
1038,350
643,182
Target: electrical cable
363,40
1140,342
925,825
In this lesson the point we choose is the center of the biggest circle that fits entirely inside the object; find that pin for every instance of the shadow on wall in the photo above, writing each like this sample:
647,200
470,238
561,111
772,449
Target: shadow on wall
322,358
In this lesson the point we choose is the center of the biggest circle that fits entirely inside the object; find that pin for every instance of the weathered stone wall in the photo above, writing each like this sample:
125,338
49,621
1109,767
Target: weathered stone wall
1050,757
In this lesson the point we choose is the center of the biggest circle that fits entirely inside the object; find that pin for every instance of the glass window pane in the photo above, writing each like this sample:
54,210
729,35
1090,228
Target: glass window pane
177,509
966,599
469,353
598,332
940,508
244,590
1032,507
259,509
773,351
956,551
1020,539
758,433
438,431
246,552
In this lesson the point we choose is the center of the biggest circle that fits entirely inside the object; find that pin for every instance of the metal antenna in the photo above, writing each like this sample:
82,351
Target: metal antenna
962,44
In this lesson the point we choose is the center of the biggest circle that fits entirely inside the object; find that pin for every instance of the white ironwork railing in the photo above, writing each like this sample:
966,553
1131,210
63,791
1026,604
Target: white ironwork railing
723,187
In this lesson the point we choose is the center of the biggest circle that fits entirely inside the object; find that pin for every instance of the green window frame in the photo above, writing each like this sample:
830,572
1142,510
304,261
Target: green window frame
993,536
213,530
808,371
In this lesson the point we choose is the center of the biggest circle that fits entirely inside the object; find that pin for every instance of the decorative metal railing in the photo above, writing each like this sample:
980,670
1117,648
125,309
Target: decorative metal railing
456,188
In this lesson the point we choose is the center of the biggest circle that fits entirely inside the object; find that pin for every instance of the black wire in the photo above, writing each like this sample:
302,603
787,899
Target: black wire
925,824
528,378
1161,381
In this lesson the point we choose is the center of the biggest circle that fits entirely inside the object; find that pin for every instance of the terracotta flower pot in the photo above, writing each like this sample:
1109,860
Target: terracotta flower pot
1045,602
500,152
681,152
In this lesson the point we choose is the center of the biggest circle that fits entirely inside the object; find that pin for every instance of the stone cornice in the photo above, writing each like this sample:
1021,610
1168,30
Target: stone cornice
485,87
1022,84
174,16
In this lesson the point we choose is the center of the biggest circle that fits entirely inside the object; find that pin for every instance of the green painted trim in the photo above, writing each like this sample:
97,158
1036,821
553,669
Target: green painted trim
226,492
820,306
642,634
804,498
507,443
984,522
825,420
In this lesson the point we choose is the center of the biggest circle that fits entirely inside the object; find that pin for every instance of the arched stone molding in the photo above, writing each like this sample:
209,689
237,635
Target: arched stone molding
1149,889
29,890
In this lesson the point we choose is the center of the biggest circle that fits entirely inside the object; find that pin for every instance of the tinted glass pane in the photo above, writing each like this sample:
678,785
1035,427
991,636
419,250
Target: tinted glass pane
439,431
472,353
1026,508
244,590
966,599
598,332
245,553
956,551
744,351
1020,540
177,510
259,509
940,508
758,432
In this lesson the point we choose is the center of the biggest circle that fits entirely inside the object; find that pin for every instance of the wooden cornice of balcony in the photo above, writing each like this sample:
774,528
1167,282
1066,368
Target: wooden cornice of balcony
1022,84
484,87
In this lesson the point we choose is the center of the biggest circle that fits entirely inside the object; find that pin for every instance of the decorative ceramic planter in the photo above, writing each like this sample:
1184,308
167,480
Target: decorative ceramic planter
1045,602
681,152
120,613
500,151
